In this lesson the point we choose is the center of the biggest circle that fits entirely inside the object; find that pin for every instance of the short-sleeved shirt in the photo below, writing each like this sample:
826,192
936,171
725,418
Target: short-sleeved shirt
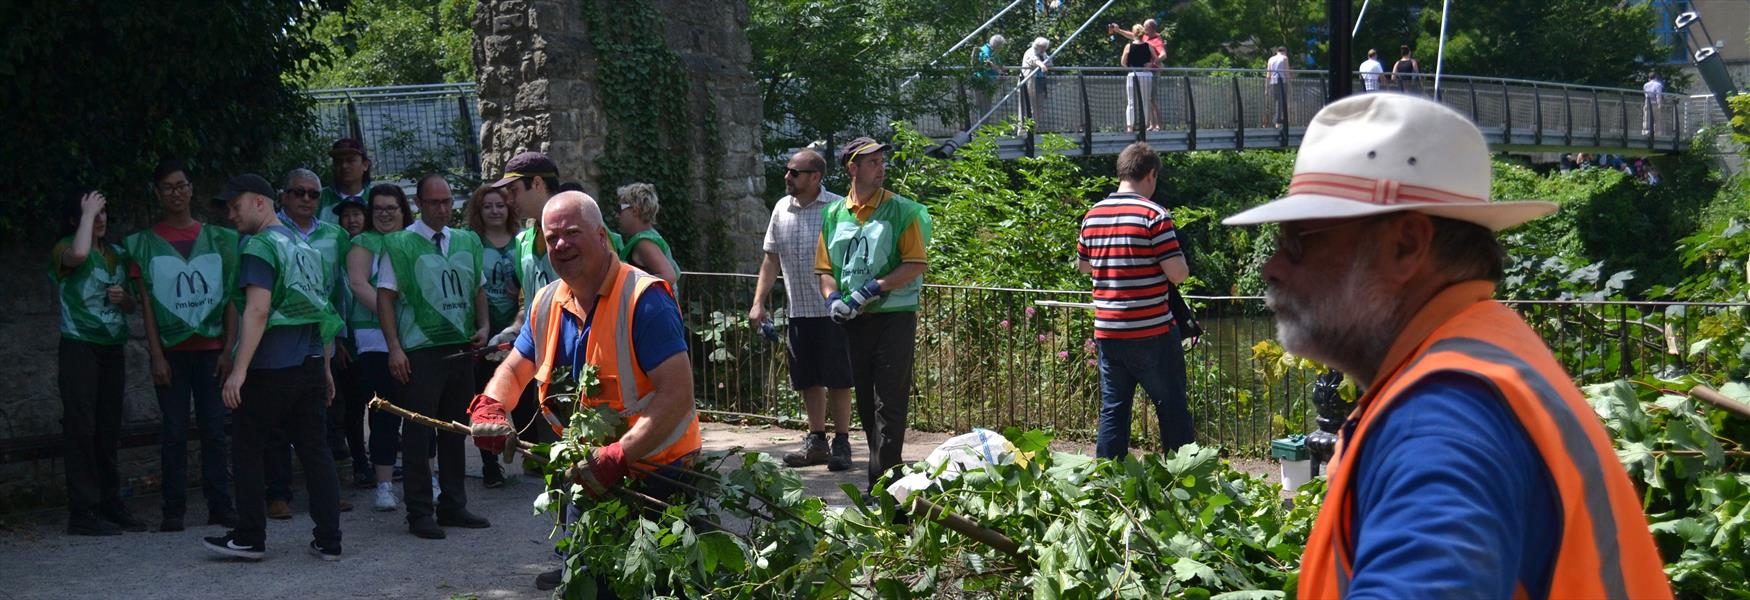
793,234
1452,499
911,241
280,347
657,332
1654,90
986,60
386,268
1158,43
1125,238
1370,71
1278,67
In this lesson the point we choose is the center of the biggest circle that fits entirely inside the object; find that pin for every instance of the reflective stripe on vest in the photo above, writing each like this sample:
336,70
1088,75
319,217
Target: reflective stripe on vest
1605,548
544,327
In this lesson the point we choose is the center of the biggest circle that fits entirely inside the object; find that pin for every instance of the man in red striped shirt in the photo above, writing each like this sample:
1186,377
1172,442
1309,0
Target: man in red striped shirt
1129,245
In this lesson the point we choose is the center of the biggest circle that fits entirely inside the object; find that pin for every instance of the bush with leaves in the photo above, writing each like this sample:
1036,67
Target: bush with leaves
1183,525
1692,463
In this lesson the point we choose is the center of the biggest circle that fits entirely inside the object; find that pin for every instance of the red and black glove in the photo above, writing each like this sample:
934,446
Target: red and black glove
488,425
605,470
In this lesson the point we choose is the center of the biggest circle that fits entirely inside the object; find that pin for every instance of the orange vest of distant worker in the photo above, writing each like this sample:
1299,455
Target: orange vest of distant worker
1605,550
609,348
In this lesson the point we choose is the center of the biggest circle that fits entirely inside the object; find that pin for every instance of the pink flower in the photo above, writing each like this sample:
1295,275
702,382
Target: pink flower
1093,362
1063,354
1043,337
1004,324
1029,311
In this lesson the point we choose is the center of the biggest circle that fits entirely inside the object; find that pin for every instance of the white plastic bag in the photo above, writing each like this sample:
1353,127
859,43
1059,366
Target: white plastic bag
979,449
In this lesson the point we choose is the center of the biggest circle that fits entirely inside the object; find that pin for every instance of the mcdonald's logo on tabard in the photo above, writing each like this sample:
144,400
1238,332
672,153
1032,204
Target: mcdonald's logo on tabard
191,278
452,280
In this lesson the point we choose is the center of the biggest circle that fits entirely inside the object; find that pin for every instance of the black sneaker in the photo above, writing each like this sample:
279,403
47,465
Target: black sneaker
328,553
227,545
124,519
91,525
813,452
549,580
841,453
364,480
492,474
170,524
426,528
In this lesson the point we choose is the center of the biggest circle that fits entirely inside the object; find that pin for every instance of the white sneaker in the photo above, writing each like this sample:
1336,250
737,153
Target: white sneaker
386,497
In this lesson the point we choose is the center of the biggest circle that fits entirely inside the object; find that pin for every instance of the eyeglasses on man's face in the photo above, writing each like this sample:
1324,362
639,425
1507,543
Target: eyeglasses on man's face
795,172
307,193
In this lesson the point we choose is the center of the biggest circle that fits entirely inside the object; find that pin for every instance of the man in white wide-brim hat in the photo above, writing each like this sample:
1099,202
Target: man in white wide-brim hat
1485,472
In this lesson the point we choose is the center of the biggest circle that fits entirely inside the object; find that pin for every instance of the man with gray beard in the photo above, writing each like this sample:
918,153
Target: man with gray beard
1485,472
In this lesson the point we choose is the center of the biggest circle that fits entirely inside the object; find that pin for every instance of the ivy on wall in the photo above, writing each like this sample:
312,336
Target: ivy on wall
650,137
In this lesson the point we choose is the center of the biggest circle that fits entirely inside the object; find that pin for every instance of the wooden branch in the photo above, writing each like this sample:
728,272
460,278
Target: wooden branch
1714,397
378,403
924,509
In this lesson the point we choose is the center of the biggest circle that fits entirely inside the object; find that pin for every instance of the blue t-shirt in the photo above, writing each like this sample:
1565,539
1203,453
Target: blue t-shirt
657,333
283,346
1452,499
985,60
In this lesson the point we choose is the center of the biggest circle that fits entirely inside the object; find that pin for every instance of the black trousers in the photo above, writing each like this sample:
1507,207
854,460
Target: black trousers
91,377
882,346
288,404
440,389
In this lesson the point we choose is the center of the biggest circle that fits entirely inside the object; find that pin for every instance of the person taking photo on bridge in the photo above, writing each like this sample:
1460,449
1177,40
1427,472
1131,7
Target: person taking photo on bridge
1472,466
1139,56
431,302
186,271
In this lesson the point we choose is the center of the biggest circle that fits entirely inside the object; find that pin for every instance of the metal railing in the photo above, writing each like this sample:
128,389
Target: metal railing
435,125
1209,109
1236,108
993,357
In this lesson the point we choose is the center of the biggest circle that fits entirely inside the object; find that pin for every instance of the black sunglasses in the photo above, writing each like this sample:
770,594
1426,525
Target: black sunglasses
789,172
304,193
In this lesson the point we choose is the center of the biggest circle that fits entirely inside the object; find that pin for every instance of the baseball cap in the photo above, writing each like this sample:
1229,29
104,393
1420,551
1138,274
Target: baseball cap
345,146
527,164
859,147
248,182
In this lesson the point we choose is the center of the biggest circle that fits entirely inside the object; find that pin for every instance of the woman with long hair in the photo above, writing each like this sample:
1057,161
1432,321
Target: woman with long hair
494,218
389,212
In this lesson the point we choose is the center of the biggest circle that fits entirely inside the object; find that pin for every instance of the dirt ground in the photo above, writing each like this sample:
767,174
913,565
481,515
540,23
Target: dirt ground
381,559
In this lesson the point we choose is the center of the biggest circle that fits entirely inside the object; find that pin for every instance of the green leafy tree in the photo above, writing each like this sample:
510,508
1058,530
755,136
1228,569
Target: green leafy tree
99,90
395,42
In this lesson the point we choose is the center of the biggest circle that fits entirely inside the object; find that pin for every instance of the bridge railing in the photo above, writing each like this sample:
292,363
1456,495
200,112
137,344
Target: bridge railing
1228,107
435,125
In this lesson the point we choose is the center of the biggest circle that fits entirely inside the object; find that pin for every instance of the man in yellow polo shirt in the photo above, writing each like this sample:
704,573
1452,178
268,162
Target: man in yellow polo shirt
871,263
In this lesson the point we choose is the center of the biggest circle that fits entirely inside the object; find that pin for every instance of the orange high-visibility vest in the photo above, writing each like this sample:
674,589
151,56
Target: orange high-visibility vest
1605,550
609,348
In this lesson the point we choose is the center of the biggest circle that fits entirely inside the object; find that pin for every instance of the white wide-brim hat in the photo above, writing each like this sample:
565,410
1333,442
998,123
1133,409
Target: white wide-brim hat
1377,153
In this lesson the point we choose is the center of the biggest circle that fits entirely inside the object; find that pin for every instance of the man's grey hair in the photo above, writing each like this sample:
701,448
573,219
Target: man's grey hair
294,175
997,40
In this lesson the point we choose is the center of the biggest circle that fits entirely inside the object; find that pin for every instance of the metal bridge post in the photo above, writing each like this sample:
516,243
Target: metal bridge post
1475,115
471,147
1568,114
1597,121
1536,114
1652,126
1676,126
1622,100
1190,116
1139,116
1239,117
1507,111
352,120
1028,142
1087,116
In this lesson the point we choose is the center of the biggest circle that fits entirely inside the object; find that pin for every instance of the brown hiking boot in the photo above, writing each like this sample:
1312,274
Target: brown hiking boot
814,451
279,509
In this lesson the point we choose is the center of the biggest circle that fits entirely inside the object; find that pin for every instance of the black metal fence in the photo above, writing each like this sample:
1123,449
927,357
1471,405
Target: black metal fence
994,357
422,126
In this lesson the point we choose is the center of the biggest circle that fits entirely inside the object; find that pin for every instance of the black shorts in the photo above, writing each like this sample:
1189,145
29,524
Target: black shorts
818,354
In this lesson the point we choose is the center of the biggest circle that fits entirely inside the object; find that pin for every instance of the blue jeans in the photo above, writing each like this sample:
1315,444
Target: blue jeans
1158,364
191,377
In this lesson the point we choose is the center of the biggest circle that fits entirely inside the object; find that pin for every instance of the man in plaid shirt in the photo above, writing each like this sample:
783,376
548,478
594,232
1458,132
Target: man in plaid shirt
820,366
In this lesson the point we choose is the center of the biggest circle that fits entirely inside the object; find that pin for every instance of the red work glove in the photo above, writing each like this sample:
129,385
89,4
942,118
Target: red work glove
488,425
605,470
